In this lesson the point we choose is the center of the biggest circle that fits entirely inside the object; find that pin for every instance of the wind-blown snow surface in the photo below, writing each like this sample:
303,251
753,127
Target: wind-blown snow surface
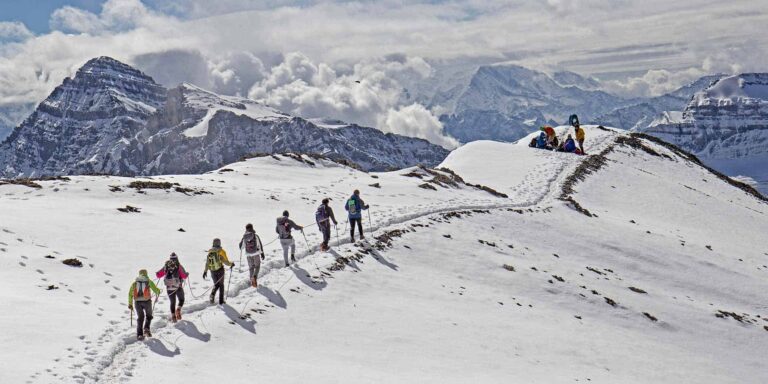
436,306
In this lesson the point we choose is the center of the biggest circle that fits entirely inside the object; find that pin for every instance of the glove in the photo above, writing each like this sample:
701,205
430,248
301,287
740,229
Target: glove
262,256
130,306
367,206
205,275
231,266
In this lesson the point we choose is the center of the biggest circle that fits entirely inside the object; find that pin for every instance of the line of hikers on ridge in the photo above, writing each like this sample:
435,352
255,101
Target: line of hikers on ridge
174,274
547,139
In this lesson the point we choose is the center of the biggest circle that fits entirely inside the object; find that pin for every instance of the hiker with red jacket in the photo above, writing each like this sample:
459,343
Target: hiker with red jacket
140,295
174,275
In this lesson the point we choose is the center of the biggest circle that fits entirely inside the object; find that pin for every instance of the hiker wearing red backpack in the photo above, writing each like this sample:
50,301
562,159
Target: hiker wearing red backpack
254,252
323,217
140,295
174,275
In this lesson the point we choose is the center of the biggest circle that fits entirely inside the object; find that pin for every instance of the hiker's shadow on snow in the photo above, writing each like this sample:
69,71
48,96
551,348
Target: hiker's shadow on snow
350,262
158,347
274,297
248,324
376,255
190,329
305,278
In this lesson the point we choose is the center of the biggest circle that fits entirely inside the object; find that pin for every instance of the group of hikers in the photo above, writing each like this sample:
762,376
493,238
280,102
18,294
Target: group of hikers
174,274
547,139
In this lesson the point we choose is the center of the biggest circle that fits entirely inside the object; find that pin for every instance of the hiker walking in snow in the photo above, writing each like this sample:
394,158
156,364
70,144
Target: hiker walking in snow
323,216
139,295
254,252
215,262
174,275
355,206
283,229
580,136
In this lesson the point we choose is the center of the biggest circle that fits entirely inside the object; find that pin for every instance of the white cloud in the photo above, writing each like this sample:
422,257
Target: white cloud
13,31
416,121
241,46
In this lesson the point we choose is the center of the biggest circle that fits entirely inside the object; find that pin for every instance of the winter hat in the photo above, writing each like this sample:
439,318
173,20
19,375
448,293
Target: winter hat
356,192
173,256
325,201
217,242
285,213
249,227
142,272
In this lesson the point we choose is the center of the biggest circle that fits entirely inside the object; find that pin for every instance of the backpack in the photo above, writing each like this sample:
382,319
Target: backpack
172,279
573,120
283,229
321,215
352,206
251,245
213,260
141,290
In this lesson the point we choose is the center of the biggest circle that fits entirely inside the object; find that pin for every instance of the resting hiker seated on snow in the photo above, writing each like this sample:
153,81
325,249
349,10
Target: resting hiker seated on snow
552,141
139,295
569,145
254,252
174,275
540,142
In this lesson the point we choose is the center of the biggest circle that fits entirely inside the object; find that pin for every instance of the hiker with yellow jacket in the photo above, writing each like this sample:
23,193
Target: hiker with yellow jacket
215,262
139,295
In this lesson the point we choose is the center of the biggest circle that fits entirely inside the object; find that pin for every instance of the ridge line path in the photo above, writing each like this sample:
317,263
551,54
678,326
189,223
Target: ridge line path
118,353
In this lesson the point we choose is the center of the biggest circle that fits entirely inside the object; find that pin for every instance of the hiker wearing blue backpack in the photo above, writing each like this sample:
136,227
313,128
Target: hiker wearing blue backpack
355,206
323,217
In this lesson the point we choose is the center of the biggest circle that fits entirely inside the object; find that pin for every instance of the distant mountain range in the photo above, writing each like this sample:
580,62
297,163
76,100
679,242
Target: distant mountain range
726,125
111,118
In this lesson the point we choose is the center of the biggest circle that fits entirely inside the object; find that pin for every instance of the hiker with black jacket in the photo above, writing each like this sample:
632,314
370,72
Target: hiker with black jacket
254,252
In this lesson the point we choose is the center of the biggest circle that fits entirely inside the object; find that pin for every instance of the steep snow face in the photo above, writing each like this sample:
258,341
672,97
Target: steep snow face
200,99
726,125
502,102
85,125
662,283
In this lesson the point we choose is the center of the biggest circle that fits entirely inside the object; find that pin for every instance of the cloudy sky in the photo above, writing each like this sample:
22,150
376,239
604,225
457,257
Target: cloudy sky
307,56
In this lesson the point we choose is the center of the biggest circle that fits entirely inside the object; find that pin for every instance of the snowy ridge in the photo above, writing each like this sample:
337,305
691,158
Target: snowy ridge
634,240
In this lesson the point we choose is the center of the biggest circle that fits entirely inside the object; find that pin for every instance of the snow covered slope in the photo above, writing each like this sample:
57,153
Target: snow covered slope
632,265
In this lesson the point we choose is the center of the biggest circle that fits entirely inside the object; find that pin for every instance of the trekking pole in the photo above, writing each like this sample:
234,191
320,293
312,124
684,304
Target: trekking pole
229,283
305,240
240,263
157,297
370,222
338,242
131,316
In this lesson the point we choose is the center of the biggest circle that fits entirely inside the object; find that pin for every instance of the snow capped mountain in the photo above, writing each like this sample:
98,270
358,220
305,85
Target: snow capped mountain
86,125
11,116
632,265
640,114
726,125
503,102
112,119
573,79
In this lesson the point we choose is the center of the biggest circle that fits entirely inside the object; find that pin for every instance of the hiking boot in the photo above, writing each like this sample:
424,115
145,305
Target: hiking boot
147,333
140,337
173,317
253,282
293,258
362,237
286,264
178,313
212,301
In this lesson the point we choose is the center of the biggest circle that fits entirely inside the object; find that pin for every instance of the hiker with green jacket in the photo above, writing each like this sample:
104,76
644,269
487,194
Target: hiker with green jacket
140,296
215,262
